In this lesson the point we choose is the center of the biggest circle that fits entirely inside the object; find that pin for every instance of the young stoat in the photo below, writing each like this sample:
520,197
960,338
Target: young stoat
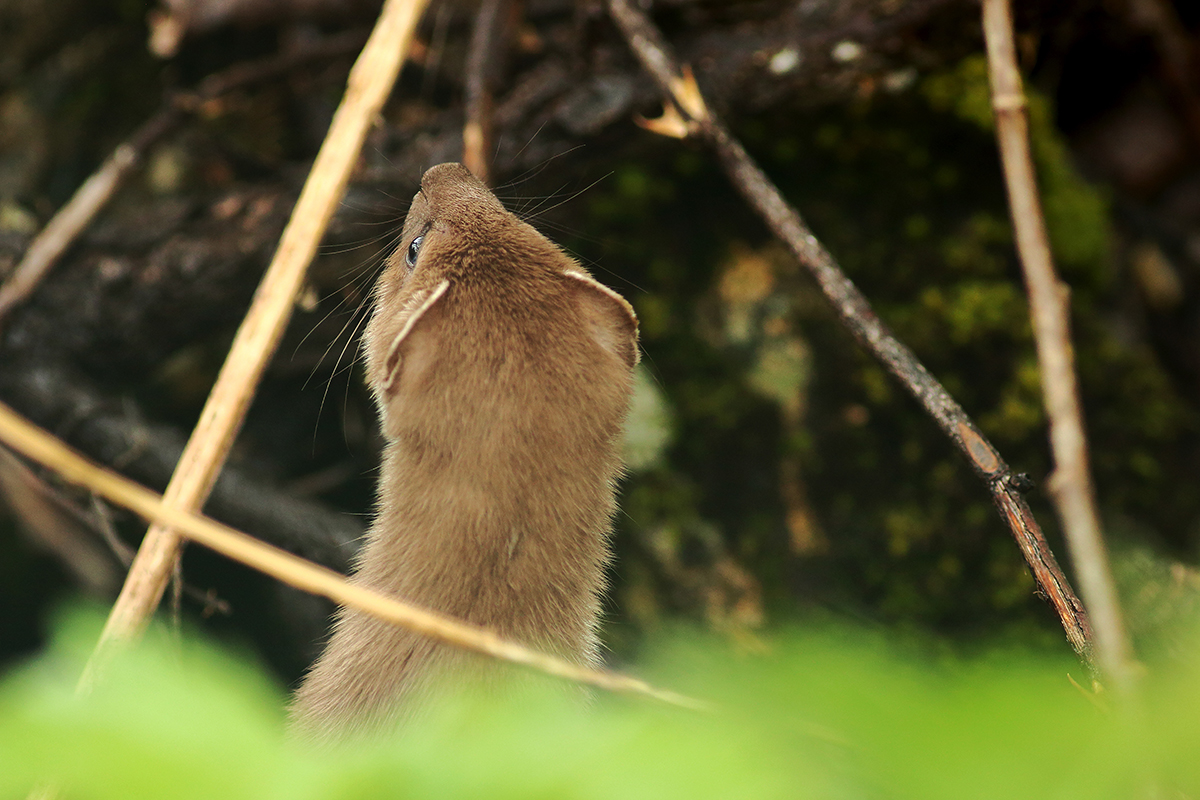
502,372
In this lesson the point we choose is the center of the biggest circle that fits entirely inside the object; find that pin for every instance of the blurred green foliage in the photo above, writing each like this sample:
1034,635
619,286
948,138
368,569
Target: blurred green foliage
823,713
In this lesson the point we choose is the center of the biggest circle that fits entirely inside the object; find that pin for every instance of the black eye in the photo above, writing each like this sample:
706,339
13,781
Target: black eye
414,249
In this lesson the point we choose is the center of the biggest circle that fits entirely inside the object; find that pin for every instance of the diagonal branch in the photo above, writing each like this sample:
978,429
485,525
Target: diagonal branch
91,197
368,86
33,442
74,217
484,59
1070,485
858,316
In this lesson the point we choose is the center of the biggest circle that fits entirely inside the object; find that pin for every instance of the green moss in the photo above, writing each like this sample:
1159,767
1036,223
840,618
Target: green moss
1076,212
975,310
654,316
910,200
962,91
976,246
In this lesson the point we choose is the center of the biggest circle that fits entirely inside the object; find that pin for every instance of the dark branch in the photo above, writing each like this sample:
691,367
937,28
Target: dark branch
488,40
863,323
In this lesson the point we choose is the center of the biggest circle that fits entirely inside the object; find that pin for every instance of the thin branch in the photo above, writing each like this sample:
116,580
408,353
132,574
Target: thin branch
31,441
692,116
1070,485
368,86
101,522
115,434
74,217
483,59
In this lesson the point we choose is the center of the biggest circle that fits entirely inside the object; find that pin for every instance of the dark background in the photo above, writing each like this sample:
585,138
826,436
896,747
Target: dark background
779,473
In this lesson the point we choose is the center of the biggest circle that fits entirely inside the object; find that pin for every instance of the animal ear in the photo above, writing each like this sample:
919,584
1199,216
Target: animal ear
609,318
411,352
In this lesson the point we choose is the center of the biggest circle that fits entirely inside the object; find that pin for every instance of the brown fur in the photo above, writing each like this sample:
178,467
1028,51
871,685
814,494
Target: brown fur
502,406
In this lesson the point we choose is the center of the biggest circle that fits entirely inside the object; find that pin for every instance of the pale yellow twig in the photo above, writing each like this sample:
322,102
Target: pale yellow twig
23,437
66,226
368,87
1070,485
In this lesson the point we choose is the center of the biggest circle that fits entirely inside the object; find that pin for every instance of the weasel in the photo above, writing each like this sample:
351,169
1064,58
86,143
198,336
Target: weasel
502,372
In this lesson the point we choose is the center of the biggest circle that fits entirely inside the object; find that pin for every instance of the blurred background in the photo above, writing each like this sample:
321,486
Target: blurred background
776,473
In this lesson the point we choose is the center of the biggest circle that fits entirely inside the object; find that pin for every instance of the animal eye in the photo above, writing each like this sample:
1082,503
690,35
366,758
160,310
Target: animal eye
414,249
